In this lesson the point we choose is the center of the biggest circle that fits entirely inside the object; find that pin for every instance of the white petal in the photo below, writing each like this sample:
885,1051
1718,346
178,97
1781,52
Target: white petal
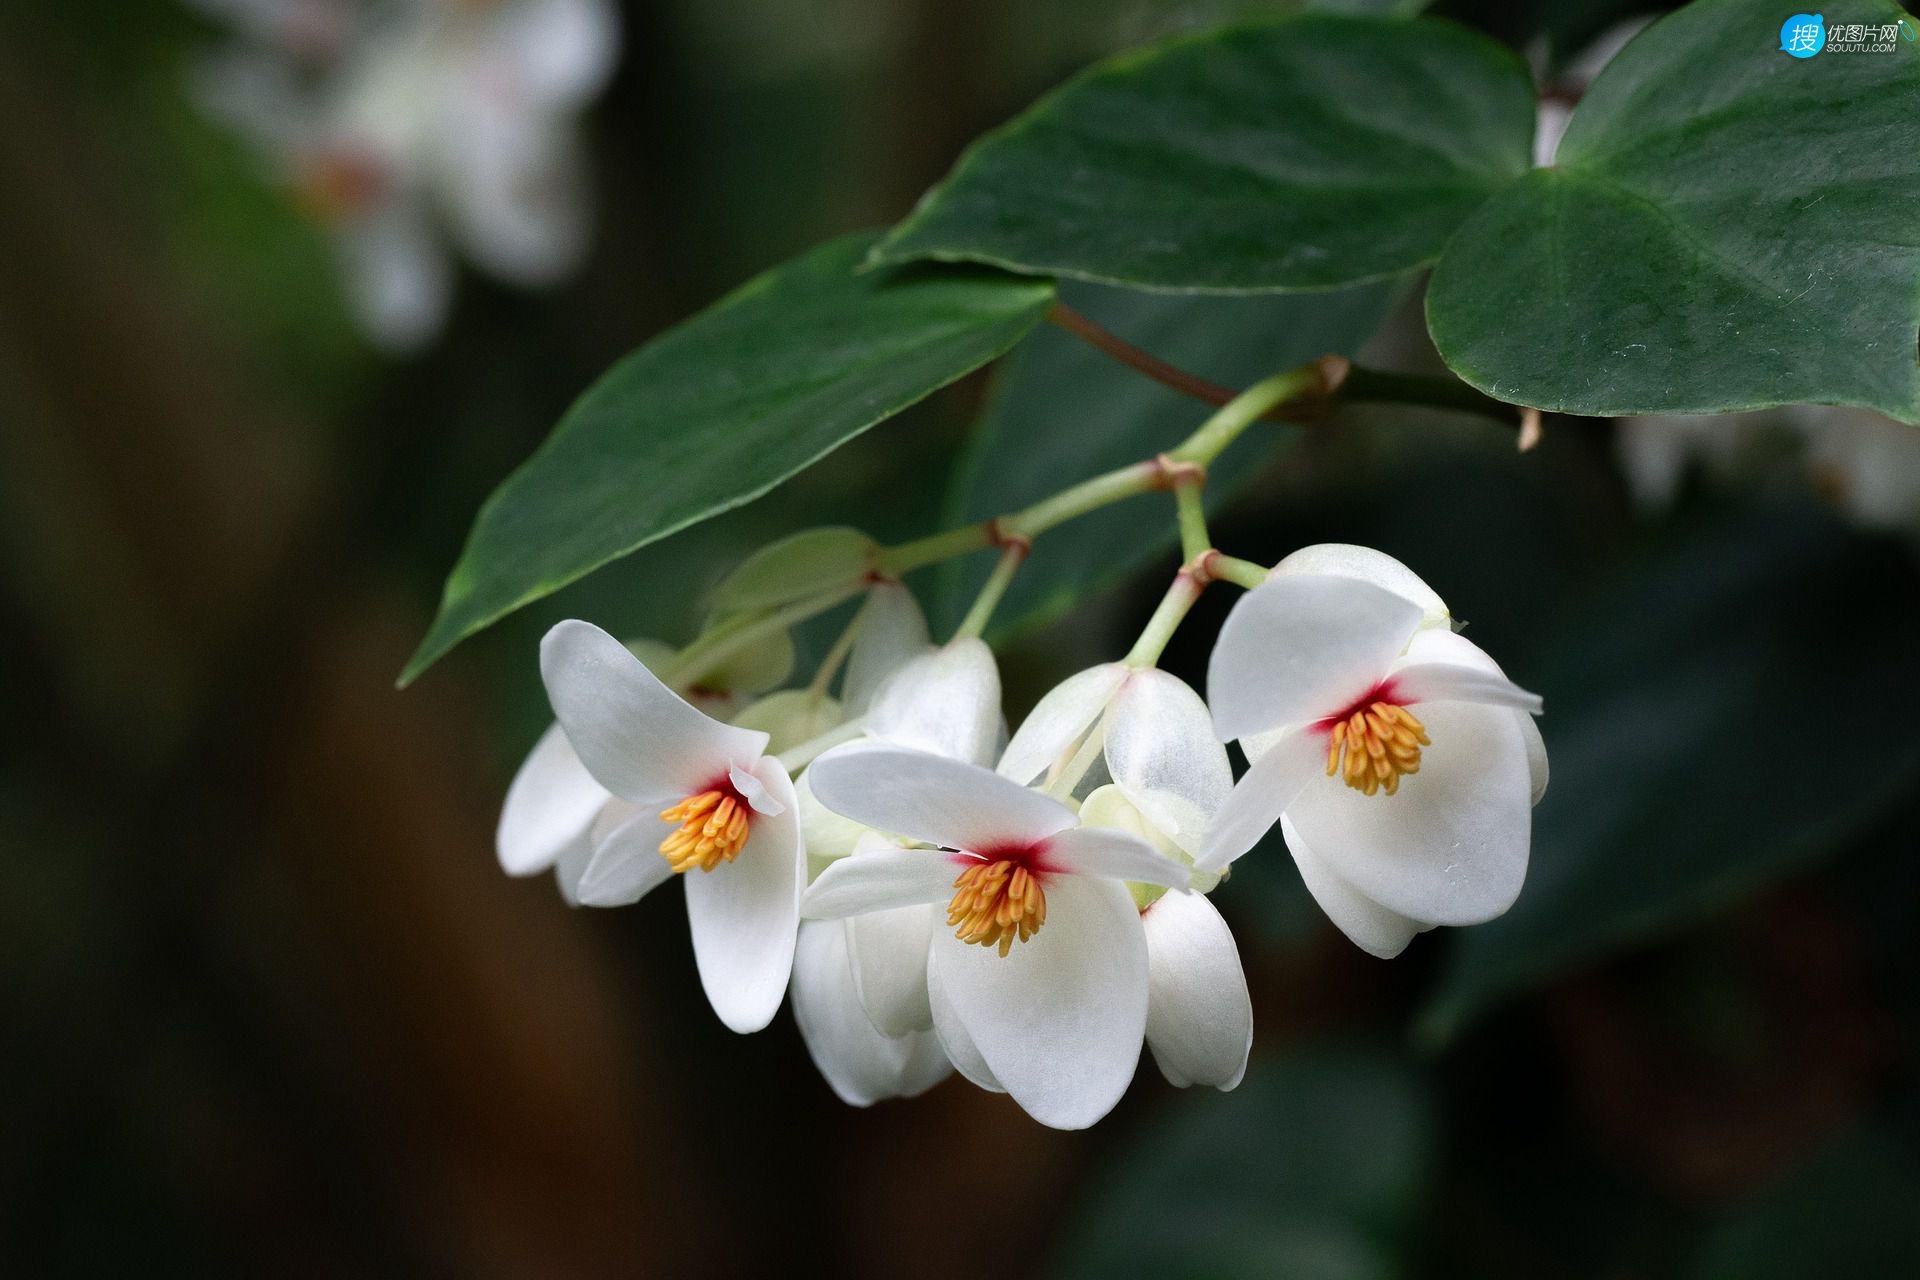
1059,721
955,1040
1344,560
1370,926
1263,793
515,187
571,866
1451,846
888,950
550,804
563,50
757,794
927,797
1058,1020
745,914
790,717
1162,752
637,737
1300,647
893,630
626,864
1112,855
946,702
398,280
861,1065
881,880
1199,1015
1536,754
1428,682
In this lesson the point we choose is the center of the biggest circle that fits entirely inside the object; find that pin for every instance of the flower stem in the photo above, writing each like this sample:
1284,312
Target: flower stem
798,757
708,651
894,561
1245,409
1194,538
1166,620
1241,573
988,600
1088,495
837,655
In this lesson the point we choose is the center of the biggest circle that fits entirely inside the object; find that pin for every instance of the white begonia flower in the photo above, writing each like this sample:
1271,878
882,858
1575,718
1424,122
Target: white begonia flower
1152,733
1199,1012
553,804
1558,100
1401,764
946,701
705,799
1039,986
1863,462
448,113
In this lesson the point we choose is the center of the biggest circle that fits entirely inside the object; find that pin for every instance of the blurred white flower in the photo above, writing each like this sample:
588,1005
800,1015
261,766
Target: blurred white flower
1400,763
1558,99
695,796
1038,987
444,114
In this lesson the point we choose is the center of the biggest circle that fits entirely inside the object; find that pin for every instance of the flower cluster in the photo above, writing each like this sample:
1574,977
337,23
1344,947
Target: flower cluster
389,123
1029,910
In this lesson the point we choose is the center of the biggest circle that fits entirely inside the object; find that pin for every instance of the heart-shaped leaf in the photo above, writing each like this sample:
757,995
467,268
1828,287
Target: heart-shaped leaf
1317,151
1725,227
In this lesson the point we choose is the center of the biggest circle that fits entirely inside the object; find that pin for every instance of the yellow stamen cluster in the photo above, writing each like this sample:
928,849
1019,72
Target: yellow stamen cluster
995,903
1373,747
713,830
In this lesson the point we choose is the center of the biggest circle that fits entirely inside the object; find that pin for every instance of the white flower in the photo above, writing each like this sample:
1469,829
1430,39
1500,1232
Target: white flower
860,984
1865,463
705,802
1170,775
449,114
1401,764
1040,987
1199,1014
552,807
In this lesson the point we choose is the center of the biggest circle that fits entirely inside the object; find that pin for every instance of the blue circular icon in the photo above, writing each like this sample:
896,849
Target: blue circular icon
1803,35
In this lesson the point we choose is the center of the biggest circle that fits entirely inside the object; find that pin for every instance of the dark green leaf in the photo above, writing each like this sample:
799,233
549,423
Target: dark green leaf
1062,412
1709,721
1312,1169
1727,227
1318,151
722,408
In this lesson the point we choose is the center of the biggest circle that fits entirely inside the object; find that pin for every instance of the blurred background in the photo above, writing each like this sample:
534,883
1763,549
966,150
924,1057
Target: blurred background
270,1007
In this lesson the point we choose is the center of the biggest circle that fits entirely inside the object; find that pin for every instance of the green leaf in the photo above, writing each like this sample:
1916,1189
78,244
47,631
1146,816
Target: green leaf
1850,1212
1709,721
1062,412
1313,1169
720,409
1727,227
1317,151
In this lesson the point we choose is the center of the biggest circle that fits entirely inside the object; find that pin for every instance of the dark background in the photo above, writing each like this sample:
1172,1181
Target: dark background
267,1005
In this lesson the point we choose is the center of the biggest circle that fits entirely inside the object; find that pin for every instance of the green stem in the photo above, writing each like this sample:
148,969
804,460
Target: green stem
894,561
709,651
1165,621
1241,573
843,646
996,586
796,758
1195,541
1088,495
1245,409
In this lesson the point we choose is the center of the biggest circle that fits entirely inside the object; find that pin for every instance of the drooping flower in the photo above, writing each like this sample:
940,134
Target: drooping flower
554,804
444,114
1155,739
1038,982
1400,763
707,804
945,701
